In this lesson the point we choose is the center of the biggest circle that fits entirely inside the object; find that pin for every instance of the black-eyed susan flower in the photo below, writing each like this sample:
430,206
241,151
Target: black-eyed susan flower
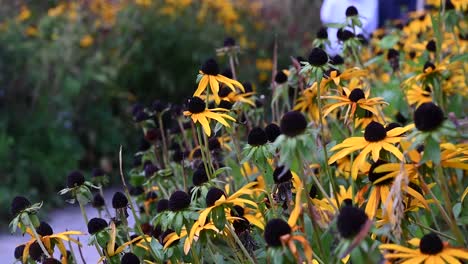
179,200
293,123
200,114
96,225
353,99
429,249
274,230
416,95
111,248
375,139
430,71
379,193
307,103
278,233
350,222
257,137
49,240
209,75
226,94
272,131
333,75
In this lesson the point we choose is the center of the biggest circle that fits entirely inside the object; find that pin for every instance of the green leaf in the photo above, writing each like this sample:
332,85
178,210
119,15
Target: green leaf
460,57
335,25
457,208
431,151
388,41
178,223
14,224
219,217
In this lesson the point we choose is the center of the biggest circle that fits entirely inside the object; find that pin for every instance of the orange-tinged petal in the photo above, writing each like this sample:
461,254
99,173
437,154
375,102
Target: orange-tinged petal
372,202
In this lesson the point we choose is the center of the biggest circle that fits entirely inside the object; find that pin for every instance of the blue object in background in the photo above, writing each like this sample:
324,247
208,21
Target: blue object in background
391,9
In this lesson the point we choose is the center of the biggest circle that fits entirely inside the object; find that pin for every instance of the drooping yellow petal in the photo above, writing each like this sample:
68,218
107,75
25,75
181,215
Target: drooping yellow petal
375,151
205,123
62,250
255,221
399,130
202,85
297,208
360,159
417,196
169,239
111,243
203,216
398,248
214,86
26,251
217,117
343,153
372,202
394,150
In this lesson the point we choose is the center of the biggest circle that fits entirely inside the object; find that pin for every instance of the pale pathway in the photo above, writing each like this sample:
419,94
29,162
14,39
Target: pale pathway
66,218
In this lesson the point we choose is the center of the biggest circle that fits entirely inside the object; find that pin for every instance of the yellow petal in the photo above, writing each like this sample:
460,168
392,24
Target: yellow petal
372,202
255,221
214,85
398,248
394,150
205,124
202,85
456,252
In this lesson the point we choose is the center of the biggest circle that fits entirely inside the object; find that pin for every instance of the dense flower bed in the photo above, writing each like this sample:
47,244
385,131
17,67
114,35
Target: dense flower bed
359,157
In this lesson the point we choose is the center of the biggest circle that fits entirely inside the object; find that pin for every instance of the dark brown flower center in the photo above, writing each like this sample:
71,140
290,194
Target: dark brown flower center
196,105
210,67
431,244
375,132
428,65
356,95
428,117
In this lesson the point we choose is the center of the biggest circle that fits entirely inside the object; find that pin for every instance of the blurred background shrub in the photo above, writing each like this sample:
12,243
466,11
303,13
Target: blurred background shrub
70,71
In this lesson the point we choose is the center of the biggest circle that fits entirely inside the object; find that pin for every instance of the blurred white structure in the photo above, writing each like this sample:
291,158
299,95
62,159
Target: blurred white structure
333,11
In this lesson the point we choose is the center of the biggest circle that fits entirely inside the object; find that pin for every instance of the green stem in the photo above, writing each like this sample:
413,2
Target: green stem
239,243
318,79
202,150
132,208
36,235
105,205
448,204
83,212
208,154
163,139
444,214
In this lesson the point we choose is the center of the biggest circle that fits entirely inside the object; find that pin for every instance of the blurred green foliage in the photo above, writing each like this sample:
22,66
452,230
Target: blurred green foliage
69,73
